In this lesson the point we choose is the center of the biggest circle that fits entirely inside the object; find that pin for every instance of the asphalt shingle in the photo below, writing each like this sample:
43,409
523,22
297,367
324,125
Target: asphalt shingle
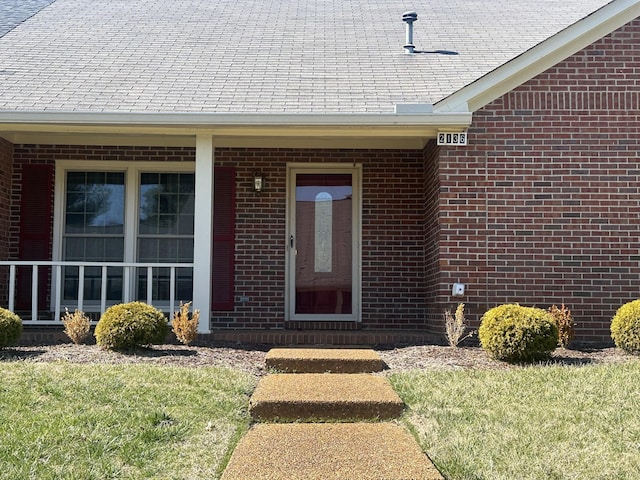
280,56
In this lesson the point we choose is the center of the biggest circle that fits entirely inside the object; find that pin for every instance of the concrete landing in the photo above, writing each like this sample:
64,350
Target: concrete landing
323,360
338,451
325,397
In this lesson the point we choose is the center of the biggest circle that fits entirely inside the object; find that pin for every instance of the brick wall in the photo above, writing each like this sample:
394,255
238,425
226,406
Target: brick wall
6,170
6,159
433,311
393,234
543,206
392,237
48,154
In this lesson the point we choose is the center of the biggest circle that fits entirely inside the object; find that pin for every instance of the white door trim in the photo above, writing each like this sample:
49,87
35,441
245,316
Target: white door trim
328,168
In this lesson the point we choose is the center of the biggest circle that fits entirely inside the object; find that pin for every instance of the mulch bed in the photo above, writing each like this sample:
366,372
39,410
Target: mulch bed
252,358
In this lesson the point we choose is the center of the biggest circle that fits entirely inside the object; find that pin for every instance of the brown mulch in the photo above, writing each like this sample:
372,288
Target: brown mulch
252,358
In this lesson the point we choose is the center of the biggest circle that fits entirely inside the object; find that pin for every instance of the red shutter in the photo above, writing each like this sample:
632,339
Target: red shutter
36,208
224,213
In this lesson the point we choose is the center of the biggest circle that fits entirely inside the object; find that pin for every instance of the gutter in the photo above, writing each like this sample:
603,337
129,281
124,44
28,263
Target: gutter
199,119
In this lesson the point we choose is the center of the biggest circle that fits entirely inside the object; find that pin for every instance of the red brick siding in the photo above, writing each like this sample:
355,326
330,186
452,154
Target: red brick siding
393,293
432,236
48,154
543,206
6,171
392,237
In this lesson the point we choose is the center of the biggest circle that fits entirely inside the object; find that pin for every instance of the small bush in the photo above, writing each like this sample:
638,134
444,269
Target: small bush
625,327
10,327
455,326
185,324
564,322
76,325
518,334
131,325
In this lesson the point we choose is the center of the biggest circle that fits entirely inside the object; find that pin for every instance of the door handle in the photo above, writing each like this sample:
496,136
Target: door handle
291,241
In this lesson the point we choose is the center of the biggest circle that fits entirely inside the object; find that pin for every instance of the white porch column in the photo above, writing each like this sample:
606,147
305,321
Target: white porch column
203,228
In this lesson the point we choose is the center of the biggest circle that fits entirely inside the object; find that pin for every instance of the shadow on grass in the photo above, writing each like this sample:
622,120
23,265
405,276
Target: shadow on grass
561,360
157,352
14,355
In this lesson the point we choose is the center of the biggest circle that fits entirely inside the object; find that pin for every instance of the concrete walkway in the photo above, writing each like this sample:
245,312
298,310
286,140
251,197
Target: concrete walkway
358,447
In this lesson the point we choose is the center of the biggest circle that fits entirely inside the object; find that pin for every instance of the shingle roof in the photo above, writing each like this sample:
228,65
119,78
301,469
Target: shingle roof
13,13
277,56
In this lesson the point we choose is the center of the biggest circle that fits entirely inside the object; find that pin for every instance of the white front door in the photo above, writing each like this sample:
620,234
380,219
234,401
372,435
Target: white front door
323,242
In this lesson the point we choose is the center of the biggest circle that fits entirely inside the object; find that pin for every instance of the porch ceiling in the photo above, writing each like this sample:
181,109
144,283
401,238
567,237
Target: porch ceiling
408,131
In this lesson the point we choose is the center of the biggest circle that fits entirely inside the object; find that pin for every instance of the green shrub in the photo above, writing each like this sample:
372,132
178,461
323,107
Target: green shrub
131,325
518,334
625,327
10,327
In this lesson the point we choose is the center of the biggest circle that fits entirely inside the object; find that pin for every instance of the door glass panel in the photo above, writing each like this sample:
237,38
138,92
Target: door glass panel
323,243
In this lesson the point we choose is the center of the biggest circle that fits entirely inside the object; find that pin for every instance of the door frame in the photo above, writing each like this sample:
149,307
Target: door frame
328,168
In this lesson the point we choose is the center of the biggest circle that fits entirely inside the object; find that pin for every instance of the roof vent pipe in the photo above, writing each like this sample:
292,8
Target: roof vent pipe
409,18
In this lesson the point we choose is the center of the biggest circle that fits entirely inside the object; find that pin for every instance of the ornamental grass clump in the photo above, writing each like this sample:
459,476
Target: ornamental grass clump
456,325
565,324
518,334
185,323
131,325
10,327
625,327
76,325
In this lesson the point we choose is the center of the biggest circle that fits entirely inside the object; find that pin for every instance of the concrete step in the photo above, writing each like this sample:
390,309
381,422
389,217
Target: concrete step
329,451
324,397
322,360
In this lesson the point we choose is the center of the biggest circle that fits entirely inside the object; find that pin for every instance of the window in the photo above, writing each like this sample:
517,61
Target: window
127,214
165,230
93,231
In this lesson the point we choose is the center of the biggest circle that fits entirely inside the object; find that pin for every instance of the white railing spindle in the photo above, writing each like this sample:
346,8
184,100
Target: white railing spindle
58,292
34,293
103,290
12,287
172,290
149,285
81,287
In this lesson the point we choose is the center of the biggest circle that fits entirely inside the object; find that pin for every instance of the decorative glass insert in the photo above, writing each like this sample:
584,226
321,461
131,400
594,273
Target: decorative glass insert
323,232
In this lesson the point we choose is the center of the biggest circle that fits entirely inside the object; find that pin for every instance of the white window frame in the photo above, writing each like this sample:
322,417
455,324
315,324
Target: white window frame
132,172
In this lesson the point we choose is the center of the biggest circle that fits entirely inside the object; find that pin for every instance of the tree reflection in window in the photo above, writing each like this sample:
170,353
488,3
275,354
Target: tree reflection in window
324,232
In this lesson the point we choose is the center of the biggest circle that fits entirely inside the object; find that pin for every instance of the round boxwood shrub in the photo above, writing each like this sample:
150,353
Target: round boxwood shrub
10,327
518,334
131,325
625,327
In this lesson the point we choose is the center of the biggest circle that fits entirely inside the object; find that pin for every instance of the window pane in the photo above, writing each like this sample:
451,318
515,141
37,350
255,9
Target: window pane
95,203
163,197
93,232
165,231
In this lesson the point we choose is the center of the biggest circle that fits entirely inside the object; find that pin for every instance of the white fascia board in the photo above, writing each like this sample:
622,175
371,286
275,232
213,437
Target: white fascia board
541,57
202,121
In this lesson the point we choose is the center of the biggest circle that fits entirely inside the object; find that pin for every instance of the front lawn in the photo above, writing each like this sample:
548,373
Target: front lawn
541,422
67,421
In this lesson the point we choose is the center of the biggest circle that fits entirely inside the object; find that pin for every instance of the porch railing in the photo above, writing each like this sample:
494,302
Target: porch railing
56,285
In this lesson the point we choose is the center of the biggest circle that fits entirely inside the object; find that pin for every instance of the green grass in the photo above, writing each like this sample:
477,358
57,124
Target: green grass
542,422
66,421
